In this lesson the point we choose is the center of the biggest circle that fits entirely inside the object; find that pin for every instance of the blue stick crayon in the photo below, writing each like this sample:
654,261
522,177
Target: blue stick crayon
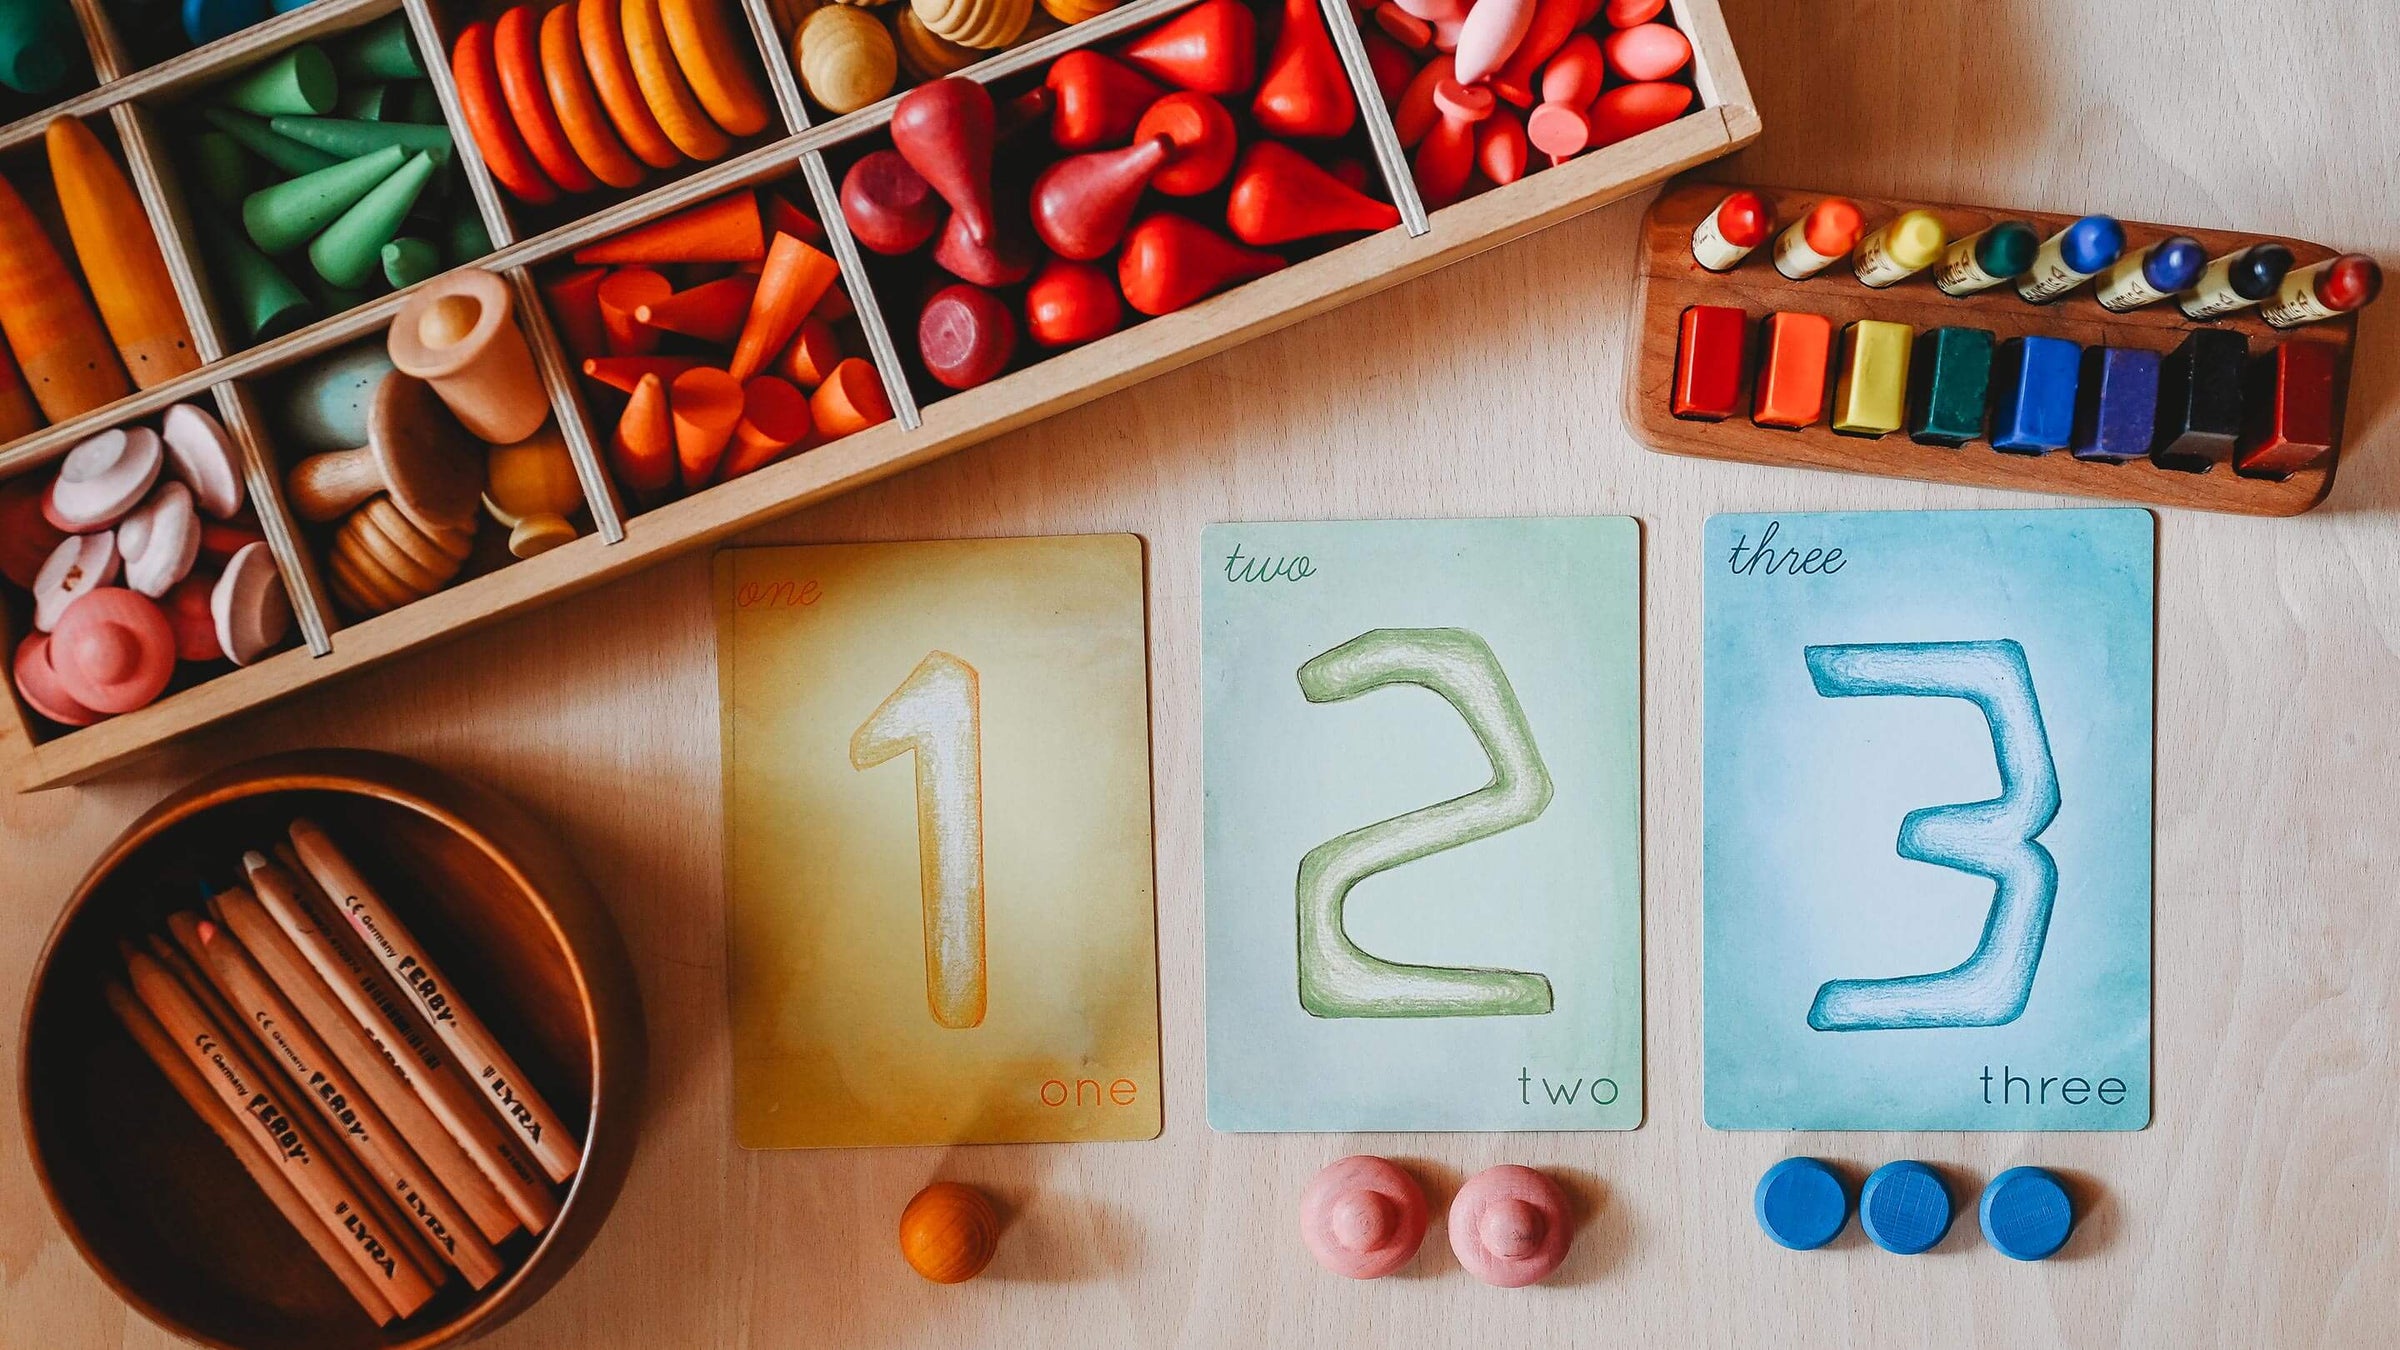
2070,257
2147,277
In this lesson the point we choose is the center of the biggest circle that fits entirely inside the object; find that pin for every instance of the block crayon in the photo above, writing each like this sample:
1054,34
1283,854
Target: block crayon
2290,408
120,256
1710,348
1795,362
2116,403
1871,398
1949,375
63,351
2033,395
2200,401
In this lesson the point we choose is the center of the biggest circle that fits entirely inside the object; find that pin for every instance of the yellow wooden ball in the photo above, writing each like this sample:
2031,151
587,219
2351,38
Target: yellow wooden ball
949,1232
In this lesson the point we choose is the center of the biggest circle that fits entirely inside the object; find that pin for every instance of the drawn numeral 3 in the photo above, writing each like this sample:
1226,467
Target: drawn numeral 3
937,712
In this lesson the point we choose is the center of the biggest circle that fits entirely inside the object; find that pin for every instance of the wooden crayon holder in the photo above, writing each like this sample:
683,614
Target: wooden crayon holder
1671,282
622,539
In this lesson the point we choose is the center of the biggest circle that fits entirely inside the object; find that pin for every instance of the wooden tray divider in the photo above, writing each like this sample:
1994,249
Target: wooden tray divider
566,404
100,39
861,288
1390,156
1716,72
433,48
775,55
203,66
161,191
312,609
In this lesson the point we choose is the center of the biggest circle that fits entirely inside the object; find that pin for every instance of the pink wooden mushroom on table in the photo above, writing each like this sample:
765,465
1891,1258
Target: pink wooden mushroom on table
1362,1217
1510,1226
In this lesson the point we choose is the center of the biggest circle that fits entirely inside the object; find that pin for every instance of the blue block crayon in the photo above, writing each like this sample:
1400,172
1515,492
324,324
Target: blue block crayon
2147,277
2070,257
2025,1214
2033,395
2116,403
1801,1203
1904,1208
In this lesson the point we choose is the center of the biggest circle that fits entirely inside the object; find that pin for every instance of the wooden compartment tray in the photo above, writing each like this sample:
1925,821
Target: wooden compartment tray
1671,282
39,755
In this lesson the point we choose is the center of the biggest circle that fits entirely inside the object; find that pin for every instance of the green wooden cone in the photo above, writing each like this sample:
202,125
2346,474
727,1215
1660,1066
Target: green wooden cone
420,103
466,240
265,303
299,81
339,299
283,217
409,261
344,138
252,132
381,51
365,101
348,250
222,168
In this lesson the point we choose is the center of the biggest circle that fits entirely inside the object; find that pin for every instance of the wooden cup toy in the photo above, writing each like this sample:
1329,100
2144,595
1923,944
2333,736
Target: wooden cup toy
1510,1226
948,1232
460,335
1362,1217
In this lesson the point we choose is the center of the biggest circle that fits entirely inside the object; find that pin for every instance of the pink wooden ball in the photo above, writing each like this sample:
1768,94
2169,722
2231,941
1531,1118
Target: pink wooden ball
1362,1217
1510,1226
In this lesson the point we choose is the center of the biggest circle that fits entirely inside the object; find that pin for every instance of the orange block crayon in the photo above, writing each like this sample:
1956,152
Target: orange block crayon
706,403
774,419
851,399
789,286
574,299
66,356
120,256
643,448
622,373
723,229
622,295
814,352
18,414
712,311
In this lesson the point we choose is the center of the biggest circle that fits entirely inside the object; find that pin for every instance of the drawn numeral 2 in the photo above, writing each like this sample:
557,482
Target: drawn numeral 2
1337,979
937,712
1994,839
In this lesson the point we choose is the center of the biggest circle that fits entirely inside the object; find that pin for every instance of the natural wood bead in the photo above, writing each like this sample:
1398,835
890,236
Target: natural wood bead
949,1232
846,58
985,24
927,55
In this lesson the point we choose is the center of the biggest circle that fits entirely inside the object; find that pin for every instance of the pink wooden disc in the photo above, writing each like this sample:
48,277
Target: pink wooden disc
160,540
251,610
1510,1226
40,688
114,651
1362,1217
102,478
200,454
81,564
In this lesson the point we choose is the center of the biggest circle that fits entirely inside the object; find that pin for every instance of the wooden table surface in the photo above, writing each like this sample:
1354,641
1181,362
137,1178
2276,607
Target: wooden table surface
2259,1209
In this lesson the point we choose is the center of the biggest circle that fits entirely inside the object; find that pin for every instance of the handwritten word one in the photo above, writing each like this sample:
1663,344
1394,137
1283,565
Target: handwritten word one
786,594
1239,568
1790,561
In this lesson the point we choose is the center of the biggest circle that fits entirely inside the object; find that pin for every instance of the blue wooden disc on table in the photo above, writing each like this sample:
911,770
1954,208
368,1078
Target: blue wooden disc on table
1801,1203
2026,1214
1904,1208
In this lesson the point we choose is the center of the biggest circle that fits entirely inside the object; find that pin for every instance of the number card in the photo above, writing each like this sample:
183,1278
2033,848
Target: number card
1422,744
1927,838
937,835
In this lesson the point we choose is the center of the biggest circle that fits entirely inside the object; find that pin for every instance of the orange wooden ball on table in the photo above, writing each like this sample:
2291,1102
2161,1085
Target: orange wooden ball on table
949,1232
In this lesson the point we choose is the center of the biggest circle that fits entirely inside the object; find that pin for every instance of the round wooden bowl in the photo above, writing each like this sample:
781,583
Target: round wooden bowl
155,1202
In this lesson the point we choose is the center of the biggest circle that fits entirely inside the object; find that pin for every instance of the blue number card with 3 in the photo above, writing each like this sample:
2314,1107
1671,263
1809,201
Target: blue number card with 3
1423,772
1928,831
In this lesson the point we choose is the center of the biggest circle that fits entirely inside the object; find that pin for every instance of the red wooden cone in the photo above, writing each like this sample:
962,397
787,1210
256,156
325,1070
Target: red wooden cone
1279,196
711,311
785,217
727,229
622,373
1204,138
1072,302
1099,98
774,419
890,206
643,449
1211,48
707,403
1170,261
1082,204
1305,91
789,286
1006,261
966,336
1446,157
574,299
944,128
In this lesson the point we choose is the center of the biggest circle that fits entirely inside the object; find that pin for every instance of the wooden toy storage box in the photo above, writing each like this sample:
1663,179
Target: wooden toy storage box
1721,122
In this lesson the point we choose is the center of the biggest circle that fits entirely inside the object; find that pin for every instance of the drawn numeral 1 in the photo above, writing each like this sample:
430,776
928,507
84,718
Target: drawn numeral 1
1337,979
1992,839
937,712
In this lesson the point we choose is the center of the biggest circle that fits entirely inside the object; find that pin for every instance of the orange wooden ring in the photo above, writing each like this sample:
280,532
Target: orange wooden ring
710,53
486,114
516,55
603,40
661,81
578,106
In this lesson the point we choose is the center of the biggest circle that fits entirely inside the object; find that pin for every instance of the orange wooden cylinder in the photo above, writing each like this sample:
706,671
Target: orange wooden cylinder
120,256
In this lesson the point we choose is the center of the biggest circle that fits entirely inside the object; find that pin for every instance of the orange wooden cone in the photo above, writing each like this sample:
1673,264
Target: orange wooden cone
785,218
707,403
622,373
712,311
774,419
814,352
1280,195
574,300
66,356
727,229
851,399
835,307
794,279
643,450
622,295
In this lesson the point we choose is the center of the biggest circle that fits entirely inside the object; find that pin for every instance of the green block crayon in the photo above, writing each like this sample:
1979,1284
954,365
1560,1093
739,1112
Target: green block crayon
299,81
285,216
222,168
265,303
410,260
347,252
381,51
466,239
344,138
254,136
365,102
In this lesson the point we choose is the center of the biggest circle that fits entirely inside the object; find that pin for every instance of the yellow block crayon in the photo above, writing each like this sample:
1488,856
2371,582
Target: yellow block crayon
59,343
120,256
1872,396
